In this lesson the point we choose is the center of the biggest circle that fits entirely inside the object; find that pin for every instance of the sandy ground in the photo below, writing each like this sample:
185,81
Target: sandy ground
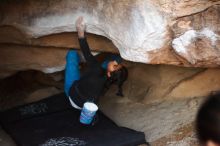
161,122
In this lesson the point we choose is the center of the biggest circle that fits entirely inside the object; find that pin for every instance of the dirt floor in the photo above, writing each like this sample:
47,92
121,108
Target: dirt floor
183,136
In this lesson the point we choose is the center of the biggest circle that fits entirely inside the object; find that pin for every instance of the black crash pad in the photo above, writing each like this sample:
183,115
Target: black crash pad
53,122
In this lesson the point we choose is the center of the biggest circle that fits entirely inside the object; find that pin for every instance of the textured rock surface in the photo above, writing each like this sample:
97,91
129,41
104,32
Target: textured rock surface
153,83
17,58
197,38
49,58
155,32
162,101
126,23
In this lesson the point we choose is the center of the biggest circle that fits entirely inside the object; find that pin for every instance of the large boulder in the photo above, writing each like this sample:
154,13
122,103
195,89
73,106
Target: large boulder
183,33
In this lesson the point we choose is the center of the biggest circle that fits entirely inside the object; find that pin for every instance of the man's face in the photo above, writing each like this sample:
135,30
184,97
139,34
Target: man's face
113,66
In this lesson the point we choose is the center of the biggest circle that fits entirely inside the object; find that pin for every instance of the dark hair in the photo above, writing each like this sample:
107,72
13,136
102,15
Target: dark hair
208,120
118,77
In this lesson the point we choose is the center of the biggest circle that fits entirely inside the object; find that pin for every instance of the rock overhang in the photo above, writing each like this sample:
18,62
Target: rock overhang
144,31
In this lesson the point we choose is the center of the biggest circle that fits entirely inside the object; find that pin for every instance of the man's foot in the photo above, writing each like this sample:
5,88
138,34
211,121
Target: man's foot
80,27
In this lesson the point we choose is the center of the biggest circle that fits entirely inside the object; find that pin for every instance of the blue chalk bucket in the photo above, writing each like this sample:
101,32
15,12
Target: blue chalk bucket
88,112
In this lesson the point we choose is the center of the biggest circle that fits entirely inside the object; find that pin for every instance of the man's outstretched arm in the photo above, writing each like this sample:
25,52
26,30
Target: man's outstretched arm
80,27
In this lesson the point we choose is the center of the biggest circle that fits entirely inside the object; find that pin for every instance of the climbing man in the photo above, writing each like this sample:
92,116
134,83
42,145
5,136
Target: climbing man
96,79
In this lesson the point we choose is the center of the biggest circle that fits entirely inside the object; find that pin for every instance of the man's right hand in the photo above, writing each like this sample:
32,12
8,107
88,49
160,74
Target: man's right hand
80,27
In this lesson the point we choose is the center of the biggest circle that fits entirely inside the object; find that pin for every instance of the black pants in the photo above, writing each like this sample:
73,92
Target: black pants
78,98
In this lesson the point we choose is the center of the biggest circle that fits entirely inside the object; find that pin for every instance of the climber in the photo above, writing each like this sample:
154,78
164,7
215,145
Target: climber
97,77
208,121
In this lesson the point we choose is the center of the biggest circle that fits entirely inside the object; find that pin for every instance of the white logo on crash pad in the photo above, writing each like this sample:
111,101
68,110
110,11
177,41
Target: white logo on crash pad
33,109
64,141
